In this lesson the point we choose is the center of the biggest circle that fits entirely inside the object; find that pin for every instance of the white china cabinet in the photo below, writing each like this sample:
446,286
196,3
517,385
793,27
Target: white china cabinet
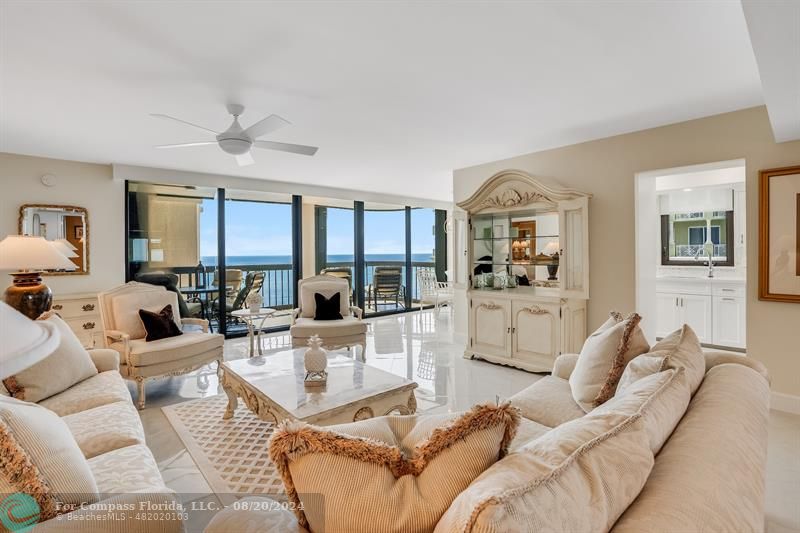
527,266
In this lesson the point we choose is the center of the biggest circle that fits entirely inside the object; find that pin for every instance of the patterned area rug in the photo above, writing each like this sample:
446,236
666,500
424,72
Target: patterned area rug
232,454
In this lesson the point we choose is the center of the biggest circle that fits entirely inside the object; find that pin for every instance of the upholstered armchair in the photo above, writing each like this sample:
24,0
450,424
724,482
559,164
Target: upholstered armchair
141,360
348,332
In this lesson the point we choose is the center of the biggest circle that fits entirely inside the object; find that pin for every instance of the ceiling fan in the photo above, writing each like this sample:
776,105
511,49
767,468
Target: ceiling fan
238,141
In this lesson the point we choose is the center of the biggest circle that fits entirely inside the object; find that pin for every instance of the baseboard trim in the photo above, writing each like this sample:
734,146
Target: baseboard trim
787,403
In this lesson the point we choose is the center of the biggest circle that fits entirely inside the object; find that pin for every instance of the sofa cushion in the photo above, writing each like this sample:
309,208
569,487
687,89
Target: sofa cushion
41,458
710,475
682,348
349,325
125,309
603,358
578,477
66,366
660,398
104,388
549,402
528,430
125,470
105,428
341,482
191,343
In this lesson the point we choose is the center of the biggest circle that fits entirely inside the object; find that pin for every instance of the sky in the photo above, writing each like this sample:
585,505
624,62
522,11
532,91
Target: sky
255,229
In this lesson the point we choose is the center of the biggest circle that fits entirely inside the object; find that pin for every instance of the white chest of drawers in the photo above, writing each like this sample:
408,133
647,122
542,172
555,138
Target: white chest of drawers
82,313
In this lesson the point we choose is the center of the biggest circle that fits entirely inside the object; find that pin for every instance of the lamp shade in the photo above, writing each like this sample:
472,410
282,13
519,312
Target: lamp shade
63,249
68,244
22,252
25,342
551,248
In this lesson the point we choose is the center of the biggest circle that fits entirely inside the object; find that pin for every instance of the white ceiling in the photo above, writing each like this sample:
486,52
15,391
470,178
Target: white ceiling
395,94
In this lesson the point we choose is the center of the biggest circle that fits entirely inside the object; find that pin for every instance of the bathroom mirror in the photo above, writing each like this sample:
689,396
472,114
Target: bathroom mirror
66,225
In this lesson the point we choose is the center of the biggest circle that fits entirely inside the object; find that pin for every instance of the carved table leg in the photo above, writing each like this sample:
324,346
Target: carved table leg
233,400
140,399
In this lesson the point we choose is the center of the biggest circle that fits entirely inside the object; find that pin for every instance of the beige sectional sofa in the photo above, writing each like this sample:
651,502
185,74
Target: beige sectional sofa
706,474
106,426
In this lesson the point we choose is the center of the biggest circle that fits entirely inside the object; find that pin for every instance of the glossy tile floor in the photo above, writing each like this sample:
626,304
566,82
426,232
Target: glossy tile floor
422,347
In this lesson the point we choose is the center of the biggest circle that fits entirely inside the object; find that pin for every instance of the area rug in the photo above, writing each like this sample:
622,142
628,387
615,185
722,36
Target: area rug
232,454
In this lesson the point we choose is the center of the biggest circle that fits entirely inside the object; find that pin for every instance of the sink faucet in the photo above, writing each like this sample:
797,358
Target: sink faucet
710,261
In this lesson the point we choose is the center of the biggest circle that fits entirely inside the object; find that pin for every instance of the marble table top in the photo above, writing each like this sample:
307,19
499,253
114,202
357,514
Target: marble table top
279,378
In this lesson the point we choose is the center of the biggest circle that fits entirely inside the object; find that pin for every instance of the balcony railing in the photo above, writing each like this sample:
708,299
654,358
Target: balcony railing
691,250
279,284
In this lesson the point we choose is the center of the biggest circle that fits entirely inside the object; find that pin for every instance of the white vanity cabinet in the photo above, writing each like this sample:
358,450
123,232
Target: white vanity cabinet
714,308
520,226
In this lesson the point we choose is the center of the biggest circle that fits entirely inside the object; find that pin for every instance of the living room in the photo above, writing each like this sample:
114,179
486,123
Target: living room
355,266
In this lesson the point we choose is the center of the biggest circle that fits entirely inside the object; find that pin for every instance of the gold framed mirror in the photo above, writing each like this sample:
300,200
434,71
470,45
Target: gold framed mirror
65,225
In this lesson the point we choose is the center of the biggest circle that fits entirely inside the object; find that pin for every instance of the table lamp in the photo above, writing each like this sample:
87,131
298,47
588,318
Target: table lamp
25,342
29,256
552,250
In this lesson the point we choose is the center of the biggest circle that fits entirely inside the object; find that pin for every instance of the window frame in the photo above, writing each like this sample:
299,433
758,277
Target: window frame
729,240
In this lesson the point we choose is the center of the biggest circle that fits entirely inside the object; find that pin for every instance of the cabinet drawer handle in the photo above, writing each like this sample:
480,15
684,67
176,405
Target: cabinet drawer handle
88,325
88,307
58,307
728,290
729,299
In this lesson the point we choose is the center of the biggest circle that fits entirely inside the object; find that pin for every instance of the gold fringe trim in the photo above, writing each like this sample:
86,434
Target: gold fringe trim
618,366
20,473
14,388
293,439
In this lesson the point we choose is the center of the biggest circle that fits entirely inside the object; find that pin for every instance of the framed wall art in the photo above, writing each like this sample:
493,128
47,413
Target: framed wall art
779,234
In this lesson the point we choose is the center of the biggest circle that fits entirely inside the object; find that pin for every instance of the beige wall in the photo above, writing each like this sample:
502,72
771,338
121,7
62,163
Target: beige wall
80,184
606,168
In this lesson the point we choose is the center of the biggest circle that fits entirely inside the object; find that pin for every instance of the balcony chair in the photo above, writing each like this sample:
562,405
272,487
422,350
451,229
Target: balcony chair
348,332
233,281
141,360
252,284
432,291
341,272
387,285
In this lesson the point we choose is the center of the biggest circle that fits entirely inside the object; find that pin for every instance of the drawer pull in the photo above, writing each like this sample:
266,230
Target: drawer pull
728,290
729,299
88,325
88,307
58,307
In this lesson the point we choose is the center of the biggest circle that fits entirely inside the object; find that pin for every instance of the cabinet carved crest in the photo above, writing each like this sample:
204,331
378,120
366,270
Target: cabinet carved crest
510,189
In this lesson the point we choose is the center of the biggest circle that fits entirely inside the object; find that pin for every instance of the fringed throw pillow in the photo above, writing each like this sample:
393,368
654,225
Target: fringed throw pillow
603,359
393,473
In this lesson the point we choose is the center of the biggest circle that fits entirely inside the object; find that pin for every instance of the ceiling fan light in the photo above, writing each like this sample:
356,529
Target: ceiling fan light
235,146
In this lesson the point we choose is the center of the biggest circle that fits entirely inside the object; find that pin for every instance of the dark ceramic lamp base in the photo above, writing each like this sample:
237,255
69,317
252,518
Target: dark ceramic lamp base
29,295
552,270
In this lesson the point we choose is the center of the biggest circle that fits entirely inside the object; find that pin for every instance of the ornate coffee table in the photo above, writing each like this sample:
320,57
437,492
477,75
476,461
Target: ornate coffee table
272,387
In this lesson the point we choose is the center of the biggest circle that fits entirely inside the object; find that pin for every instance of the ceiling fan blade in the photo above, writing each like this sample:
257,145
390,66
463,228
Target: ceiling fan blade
266,125
285,147
167,117
245,159
184,145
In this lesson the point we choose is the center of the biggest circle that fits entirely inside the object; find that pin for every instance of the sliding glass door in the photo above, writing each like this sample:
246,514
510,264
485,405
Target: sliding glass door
258,257
386,286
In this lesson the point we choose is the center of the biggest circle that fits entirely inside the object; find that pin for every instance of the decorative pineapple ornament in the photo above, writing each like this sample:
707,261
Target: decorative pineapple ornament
315,361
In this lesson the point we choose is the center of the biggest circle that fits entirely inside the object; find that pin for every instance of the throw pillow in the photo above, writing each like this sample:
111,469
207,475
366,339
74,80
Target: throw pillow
577,477
683,350
69,364
661,398
641,367
327,308
400,474
39,457
159,325
603,359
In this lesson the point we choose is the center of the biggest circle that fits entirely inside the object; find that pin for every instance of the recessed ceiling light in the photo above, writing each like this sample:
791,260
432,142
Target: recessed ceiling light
687,190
